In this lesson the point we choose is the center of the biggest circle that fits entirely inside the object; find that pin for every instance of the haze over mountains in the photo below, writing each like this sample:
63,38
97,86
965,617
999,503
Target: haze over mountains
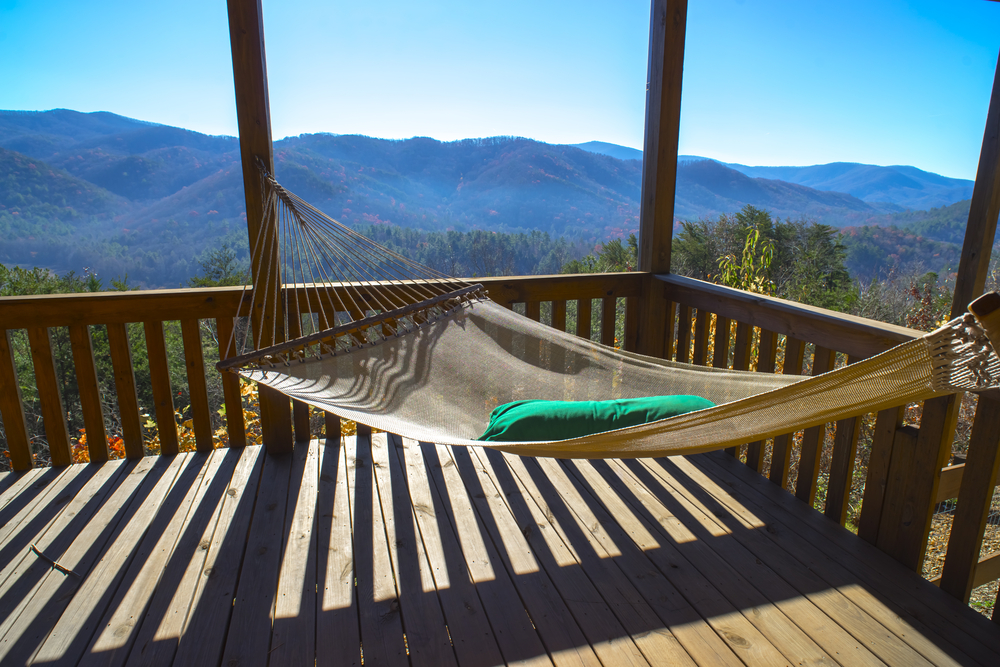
76,189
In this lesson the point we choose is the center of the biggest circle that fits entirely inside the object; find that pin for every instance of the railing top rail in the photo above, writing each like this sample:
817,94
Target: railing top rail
853,335
53,310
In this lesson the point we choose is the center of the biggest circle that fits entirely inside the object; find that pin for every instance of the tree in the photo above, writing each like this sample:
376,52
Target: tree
220,268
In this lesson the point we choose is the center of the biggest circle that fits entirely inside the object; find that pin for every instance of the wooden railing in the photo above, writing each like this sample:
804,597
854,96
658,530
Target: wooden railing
905,477
704,324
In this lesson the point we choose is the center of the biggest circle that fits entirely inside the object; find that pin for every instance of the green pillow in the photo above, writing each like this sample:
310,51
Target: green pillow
533,421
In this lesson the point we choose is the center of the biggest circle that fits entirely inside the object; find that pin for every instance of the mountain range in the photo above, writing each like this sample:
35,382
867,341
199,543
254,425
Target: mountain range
152,197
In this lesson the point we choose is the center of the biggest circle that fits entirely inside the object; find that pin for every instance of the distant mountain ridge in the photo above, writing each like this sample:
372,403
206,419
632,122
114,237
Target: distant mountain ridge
907,187
156,196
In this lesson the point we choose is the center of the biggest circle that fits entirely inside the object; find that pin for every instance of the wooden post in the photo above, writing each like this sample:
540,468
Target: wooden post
246,35
667,25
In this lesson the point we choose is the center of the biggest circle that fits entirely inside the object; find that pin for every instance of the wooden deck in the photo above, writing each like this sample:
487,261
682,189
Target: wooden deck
391,552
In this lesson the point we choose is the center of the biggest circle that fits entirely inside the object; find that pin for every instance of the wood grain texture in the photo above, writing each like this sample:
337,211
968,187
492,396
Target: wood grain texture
474,640
128,401
887,424
720,350
845,333
667,27
683,333
767,351
427,636
974,500
12,409
293,633
50,396
781,451
90,392
583,315
951,482
609,313
249,637
517,637
235,426
163,395
246,36
813,438
559,314
338,638
194,364
912,484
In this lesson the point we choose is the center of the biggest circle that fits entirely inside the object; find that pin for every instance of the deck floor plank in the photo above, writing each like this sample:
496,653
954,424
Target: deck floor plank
293,640
204,635
473,639
708,599
28,571
657,643
163,623
427,637
88,545
413,554
120,626
249,637
73,632
779,554
566,641
895,596
716,548
381,624
27,519
338,637
13,483
594,611
466,546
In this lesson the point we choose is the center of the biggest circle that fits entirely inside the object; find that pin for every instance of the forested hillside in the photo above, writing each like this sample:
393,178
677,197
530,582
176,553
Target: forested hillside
120,196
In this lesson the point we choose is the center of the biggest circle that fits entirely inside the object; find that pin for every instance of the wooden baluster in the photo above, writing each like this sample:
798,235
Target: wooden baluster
911,488
781,452
90,393
128,402
767,352
300,410
631,342
813,438
533,310
974,500
194,362
720,353
845,450
609,313
684,334
53,413
163,395
888,430
669,329
235,426
559,315
741,357
583,314
12,409
701,338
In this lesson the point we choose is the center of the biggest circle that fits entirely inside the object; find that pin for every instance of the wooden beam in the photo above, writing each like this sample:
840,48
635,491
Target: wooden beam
667,26
983,211
12,409
246,34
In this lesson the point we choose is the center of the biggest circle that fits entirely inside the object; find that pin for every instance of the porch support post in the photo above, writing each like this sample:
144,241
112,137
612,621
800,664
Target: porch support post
246,35
667,26
913,481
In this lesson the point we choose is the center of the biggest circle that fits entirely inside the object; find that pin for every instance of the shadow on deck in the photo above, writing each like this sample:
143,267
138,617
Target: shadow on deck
395,552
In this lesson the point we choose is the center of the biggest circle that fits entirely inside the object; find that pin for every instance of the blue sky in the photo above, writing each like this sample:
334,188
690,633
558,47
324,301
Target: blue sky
767,82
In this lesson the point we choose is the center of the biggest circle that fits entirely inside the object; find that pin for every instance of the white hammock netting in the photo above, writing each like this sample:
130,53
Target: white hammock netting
434,369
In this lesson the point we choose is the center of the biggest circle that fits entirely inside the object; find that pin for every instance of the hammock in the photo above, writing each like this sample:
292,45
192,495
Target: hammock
431,360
